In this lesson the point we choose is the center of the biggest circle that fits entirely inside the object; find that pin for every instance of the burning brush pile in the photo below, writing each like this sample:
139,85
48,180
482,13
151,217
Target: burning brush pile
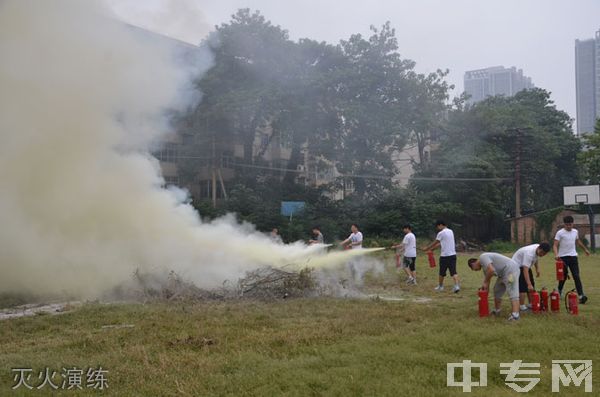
271,283
266,283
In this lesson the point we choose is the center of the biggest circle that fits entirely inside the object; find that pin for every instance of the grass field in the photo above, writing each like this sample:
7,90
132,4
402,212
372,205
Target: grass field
305,347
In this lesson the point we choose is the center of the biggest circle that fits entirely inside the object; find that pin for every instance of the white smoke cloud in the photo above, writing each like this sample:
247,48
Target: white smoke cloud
82,100
180,19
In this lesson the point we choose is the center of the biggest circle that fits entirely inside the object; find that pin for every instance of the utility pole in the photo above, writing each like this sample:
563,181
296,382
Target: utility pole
518,175
214,173
592,229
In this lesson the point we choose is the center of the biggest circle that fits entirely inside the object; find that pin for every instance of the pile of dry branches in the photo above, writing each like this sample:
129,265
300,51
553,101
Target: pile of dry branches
270,283
266,283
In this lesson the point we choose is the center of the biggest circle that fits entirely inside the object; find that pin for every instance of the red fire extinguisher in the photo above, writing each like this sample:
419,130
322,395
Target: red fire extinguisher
560,270
535,302
571,303
544,299
431,258
555,301
484,309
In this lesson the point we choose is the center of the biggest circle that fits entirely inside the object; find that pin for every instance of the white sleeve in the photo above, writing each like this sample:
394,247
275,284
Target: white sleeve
359,237
558,235
530,260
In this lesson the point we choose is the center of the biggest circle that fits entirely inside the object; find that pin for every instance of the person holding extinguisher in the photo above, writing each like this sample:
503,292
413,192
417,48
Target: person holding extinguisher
408,247
354,241
526,257
507,271
445,240
565,249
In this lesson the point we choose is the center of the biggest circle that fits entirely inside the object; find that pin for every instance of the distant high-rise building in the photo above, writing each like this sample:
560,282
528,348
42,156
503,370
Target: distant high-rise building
587,81
497,80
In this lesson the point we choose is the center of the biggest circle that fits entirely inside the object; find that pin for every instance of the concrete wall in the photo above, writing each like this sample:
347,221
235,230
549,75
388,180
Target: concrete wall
524,229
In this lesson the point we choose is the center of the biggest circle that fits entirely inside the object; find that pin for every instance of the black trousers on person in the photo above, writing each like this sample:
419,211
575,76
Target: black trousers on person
571,263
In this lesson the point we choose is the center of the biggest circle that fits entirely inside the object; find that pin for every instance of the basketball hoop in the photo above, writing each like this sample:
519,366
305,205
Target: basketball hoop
586,195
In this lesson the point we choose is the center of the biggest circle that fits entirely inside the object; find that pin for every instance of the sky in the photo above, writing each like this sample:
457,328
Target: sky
537,36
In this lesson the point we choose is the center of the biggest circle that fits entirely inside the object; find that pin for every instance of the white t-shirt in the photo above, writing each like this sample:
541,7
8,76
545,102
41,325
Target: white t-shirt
356,238
566,242
526,256
410,245
446,239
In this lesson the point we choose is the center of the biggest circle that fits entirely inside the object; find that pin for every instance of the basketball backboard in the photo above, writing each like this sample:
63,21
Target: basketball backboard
587,194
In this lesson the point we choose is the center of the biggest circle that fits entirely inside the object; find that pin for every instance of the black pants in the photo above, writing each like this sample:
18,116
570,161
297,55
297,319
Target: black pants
523,289
447,263
571,263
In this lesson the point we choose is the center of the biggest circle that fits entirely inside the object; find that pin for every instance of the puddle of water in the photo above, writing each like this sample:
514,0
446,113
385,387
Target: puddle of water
399,298
35,309
422,300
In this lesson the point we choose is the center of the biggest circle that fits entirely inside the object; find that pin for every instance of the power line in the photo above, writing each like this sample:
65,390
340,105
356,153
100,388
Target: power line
367,176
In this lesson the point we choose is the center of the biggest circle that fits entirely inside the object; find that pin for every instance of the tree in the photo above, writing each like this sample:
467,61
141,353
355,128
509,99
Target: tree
351,104
241,93
486,140
374,91
428,105
589,158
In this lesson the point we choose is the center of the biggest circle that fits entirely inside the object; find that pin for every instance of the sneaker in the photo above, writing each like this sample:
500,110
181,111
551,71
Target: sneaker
439,288
456,289
496,312
410,280
513,318
583,299
524,308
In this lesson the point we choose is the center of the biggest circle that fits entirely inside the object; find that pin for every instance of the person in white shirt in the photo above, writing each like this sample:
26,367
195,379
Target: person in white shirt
317,236
526,257
275,237
409,248
565,248
445,240
507,271
355,238
354,241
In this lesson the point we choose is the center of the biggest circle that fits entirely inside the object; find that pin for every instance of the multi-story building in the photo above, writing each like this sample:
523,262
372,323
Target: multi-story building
587,82
225,153
496,80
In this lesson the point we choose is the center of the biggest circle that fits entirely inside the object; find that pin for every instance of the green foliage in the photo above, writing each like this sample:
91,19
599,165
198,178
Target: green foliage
589,159
206,209
481,142
380,219
501,246
354,104
544,220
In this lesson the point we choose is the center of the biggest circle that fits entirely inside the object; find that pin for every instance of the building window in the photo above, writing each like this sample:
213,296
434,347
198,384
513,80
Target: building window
285,139
171,180
168,153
